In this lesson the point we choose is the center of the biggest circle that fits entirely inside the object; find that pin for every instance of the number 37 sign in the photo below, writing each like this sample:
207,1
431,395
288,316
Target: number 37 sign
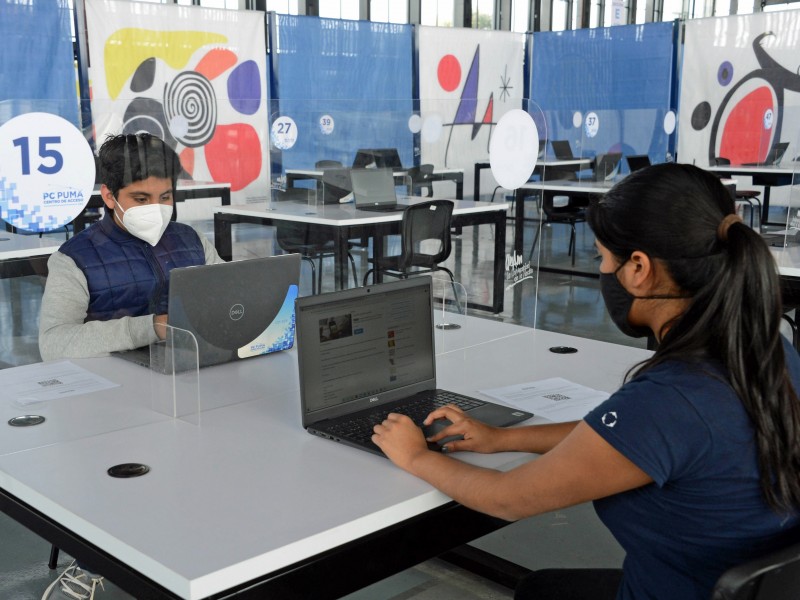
46,172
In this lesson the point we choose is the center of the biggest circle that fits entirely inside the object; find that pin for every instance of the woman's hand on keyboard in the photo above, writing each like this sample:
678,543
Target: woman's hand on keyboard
472,435
400,439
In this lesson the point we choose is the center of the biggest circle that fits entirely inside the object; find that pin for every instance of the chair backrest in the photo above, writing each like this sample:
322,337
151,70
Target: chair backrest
326,164
425,233
421,178
773,577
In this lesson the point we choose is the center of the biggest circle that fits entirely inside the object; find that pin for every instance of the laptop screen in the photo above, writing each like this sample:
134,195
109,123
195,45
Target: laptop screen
562,149
364,346
237,309
372,187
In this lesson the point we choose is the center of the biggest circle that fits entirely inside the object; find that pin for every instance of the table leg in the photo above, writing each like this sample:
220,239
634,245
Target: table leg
340,262
499,261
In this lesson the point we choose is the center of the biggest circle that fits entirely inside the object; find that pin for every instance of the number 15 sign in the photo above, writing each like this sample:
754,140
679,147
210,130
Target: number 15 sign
46,172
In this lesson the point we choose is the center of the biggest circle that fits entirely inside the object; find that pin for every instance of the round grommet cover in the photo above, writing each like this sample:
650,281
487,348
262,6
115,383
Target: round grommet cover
26,420
127,470
563,350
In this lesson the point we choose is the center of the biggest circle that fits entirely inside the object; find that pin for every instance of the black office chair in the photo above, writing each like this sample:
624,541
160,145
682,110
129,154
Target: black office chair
773,577
421,178
325,163
572,213
312,244
424,242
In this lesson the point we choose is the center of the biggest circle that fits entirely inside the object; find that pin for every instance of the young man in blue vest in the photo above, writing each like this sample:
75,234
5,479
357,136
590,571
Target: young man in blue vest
108,285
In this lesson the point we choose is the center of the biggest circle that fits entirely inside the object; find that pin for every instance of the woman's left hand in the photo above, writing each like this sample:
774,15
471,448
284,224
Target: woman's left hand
400,439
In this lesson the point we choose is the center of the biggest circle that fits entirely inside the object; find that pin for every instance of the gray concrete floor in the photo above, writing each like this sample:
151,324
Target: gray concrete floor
564,303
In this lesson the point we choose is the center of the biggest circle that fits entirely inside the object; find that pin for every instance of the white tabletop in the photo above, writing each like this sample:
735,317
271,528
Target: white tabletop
345,214
397,172
248,491
784,168
15,245
569,185
787,259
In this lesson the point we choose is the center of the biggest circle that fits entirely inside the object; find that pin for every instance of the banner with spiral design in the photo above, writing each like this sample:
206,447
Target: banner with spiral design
195,77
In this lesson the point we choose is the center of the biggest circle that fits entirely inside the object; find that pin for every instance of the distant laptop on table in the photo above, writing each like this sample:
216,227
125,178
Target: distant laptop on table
605,167
637,161
369,351
562,149
773,157
235,310
373,189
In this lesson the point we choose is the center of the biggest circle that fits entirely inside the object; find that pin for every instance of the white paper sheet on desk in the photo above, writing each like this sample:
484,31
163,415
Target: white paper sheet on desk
49,381
555,399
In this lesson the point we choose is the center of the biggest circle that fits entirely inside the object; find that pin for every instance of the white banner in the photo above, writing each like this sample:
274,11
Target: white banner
740,89
468,79
195,77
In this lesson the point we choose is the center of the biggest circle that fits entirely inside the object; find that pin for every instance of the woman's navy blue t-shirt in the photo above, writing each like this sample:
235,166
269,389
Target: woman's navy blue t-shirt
685,427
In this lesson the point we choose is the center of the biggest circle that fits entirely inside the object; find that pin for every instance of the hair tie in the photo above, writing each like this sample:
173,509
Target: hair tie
722,230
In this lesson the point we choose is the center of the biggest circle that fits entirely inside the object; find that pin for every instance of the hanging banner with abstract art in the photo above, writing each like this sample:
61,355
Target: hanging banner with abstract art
467,80
740,88
196,77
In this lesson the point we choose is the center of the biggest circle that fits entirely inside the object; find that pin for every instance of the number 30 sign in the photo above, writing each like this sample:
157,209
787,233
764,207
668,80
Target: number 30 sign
46,172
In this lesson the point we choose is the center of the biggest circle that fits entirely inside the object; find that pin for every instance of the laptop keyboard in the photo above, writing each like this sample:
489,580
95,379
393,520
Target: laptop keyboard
359,428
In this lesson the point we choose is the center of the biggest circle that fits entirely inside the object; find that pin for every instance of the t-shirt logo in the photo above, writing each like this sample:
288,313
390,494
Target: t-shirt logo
609,419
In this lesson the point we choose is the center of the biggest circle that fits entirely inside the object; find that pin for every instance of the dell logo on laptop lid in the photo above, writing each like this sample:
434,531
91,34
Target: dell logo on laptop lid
236,312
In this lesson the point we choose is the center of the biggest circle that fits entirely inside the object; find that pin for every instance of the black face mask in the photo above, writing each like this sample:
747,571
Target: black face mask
618,304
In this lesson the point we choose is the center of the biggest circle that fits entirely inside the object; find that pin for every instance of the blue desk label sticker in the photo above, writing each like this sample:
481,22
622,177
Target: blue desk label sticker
284,133
46,172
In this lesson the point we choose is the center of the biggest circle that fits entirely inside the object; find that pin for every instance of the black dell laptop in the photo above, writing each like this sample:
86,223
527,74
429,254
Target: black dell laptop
368,351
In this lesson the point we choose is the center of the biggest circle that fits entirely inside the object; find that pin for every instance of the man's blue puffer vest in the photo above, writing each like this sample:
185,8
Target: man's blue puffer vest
126,275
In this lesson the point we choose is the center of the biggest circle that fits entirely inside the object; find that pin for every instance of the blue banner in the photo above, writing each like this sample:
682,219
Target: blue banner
37,73
346,85
608,89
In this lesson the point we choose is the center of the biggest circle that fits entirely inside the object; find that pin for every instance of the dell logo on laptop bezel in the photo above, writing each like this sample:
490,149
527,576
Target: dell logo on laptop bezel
236,312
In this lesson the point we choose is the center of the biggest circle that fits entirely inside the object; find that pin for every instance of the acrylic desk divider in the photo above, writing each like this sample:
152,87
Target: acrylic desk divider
449,315
175,384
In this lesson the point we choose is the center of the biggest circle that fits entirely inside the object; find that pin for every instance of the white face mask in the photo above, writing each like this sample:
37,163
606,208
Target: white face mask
147,222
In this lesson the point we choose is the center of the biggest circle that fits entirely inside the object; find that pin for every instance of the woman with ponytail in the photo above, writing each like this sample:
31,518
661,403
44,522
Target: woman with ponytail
694,463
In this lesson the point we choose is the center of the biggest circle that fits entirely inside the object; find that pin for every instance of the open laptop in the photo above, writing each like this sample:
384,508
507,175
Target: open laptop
562,149
235,310
368,351
373,189
773,157
637,161
382,158
606,166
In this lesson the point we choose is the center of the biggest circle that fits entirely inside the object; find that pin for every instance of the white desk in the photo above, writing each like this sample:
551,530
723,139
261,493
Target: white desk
439,174
249,503
554,187
766,175
185,189
344,222
24,254
541,167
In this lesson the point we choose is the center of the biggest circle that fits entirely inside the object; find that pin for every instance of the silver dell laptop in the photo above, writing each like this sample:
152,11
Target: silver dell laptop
368,351
235,310
373,189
